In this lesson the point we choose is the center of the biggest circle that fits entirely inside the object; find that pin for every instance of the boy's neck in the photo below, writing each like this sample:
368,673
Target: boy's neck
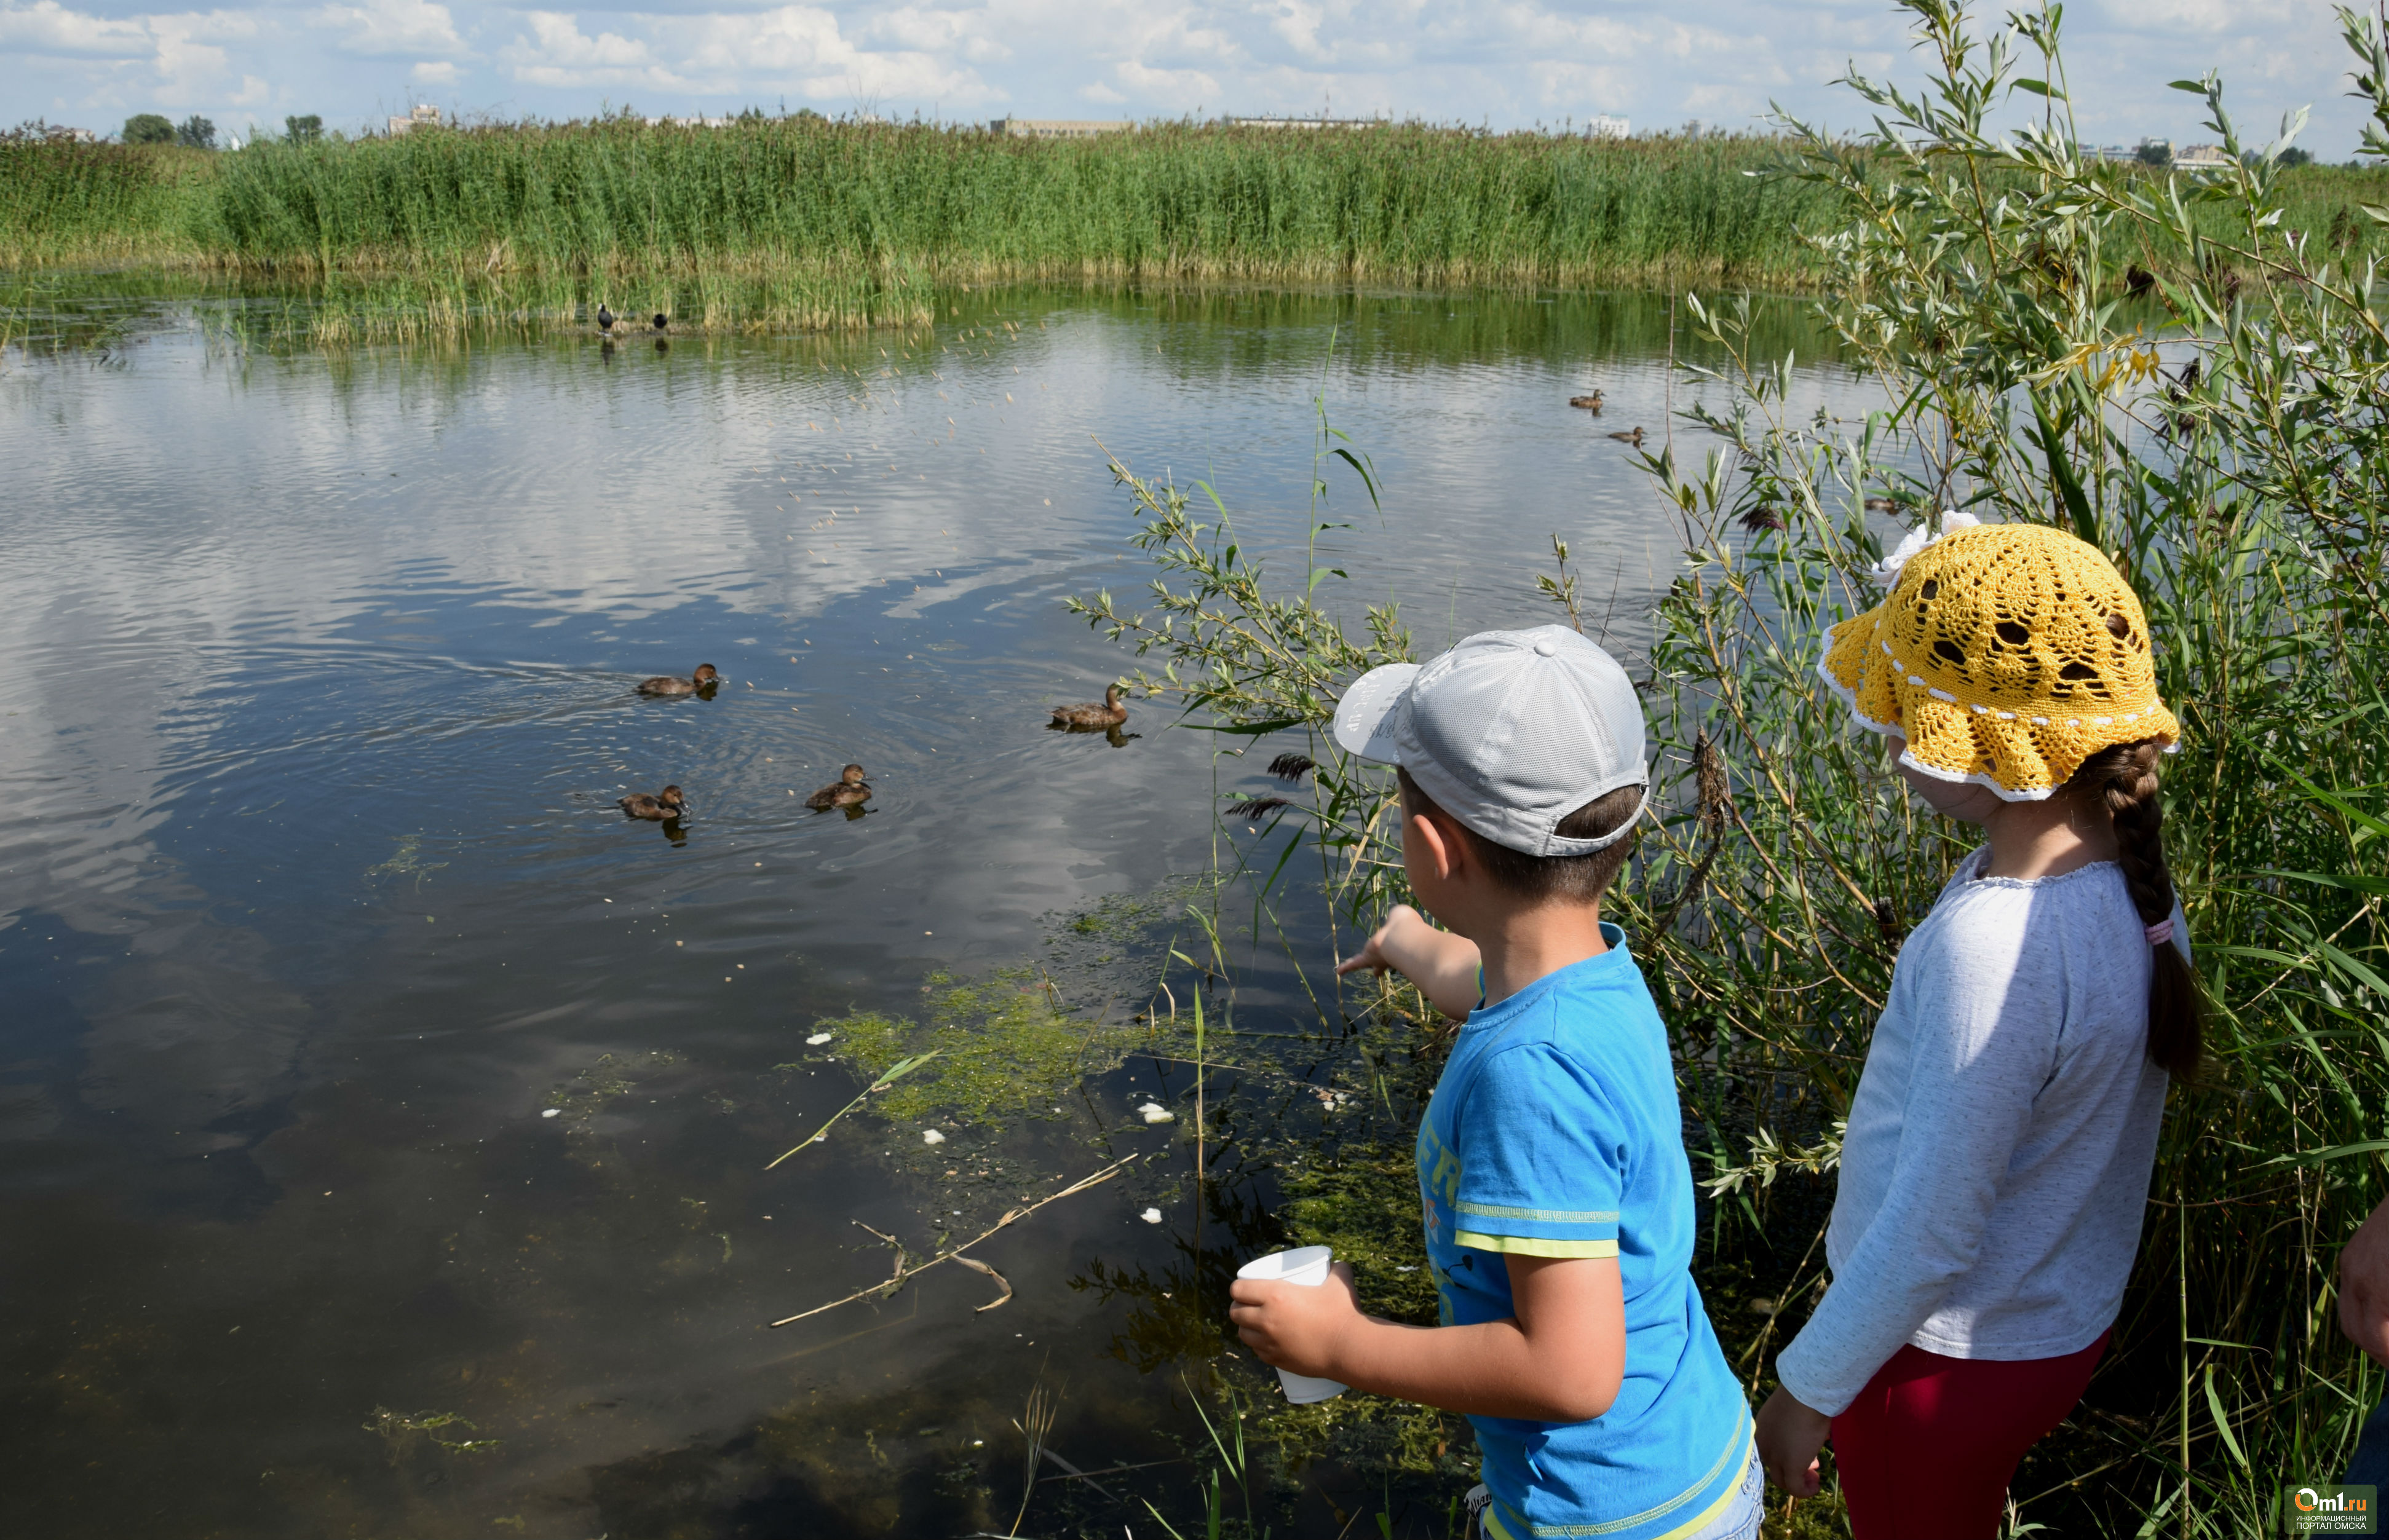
1525,942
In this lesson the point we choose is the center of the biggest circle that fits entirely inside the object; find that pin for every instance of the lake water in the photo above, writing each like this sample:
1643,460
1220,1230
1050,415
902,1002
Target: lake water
314,900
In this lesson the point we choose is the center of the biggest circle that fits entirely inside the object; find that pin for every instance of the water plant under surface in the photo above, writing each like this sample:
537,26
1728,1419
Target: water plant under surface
2227,449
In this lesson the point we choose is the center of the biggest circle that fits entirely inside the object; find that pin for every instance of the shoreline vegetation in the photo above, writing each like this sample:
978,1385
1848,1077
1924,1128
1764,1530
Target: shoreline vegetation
808,224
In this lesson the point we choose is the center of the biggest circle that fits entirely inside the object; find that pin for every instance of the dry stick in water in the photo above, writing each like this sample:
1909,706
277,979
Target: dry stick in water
896,1072
954,1253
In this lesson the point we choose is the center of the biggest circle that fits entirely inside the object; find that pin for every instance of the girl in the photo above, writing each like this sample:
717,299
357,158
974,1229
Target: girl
1999,1144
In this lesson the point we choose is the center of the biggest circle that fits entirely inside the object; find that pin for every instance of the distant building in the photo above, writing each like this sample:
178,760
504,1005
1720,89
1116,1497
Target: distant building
1058,128
1304,122
418,117
2200,157
1603,126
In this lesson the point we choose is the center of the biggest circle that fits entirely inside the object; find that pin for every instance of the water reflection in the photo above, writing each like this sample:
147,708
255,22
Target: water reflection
307,920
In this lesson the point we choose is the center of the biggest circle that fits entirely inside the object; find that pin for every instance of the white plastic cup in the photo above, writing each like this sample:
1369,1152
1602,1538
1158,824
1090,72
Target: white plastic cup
1308,1266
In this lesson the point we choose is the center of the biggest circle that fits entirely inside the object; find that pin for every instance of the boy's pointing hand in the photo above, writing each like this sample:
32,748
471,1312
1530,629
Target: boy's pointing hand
1293,1326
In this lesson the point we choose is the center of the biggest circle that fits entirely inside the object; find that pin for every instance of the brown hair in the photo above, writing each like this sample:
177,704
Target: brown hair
1570,879
2123,778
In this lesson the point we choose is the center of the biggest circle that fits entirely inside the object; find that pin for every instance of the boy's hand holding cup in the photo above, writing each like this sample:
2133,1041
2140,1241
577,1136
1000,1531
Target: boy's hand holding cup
1291,1307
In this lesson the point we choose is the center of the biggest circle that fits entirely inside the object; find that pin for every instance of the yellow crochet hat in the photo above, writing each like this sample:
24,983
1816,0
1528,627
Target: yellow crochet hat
2006,654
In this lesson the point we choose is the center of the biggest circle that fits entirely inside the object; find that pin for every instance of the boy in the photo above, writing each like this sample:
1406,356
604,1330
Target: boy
1558,1200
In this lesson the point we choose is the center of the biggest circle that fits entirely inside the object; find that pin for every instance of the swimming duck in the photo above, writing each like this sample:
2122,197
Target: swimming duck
705,679
1634,437
605,317
1590,403
1110,714
655,809
849,790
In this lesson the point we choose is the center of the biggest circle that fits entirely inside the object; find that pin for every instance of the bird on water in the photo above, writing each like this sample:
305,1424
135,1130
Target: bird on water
655,809
605,317
1111,713
1634,437
849,790
700,683
661,322
1589,403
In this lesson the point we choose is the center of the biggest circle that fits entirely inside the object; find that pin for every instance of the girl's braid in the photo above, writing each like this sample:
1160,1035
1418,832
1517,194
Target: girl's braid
2123,778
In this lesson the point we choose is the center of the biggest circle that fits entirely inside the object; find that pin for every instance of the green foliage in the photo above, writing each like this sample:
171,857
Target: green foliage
196,133
307,130
148,128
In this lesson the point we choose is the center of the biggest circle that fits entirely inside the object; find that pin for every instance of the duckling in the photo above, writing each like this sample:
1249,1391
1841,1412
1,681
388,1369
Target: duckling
1883,505
605,317
1110,714
1589,403
1634,437
849,790
705,679
664,805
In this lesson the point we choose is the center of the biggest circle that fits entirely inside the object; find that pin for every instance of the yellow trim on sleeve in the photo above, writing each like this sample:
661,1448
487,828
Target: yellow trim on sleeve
1531,1245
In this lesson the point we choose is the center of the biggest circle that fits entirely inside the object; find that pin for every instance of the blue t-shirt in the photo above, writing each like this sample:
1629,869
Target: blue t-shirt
1556,1131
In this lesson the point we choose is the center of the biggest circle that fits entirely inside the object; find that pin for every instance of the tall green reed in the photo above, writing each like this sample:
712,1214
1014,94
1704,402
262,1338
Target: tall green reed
1398,204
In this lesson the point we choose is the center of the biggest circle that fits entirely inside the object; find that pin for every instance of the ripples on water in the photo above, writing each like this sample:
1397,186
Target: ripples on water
314,895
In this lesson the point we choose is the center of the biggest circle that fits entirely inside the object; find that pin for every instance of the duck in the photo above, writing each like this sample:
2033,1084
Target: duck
1634,437
665,804
1110,714
1884,505
849,790
605,317
705,679
1589,403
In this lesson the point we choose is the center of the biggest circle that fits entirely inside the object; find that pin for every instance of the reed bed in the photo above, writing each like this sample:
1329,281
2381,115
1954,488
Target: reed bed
1400,204
1408,205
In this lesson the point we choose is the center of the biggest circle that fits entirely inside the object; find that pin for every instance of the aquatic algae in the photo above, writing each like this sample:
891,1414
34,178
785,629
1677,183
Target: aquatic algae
1005,1049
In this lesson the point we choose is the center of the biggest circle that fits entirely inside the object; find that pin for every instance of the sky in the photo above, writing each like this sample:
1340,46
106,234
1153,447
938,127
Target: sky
1502,63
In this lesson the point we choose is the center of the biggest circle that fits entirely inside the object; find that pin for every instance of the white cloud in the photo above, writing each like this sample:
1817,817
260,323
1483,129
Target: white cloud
393,28
1167,90
559,53
1502,62
50,28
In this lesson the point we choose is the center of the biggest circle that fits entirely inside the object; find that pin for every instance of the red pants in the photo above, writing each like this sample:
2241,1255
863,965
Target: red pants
1926,1451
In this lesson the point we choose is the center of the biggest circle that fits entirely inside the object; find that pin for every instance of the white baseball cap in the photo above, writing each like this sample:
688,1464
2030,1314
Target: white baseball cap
1508,732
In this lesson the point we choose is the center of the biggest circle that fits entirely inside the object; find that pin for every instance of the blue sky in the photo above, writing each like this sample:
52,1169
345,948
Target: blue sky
1509,63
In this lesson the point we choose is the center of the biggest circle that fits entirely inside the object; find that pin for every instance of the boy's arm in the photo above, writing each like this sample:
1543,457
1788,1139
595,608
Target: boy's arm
1560,1359
1443,965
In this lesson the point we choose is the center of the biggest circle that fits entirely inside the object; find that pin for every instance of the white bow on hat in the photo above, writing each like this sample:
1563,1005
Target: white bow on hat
1886,571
